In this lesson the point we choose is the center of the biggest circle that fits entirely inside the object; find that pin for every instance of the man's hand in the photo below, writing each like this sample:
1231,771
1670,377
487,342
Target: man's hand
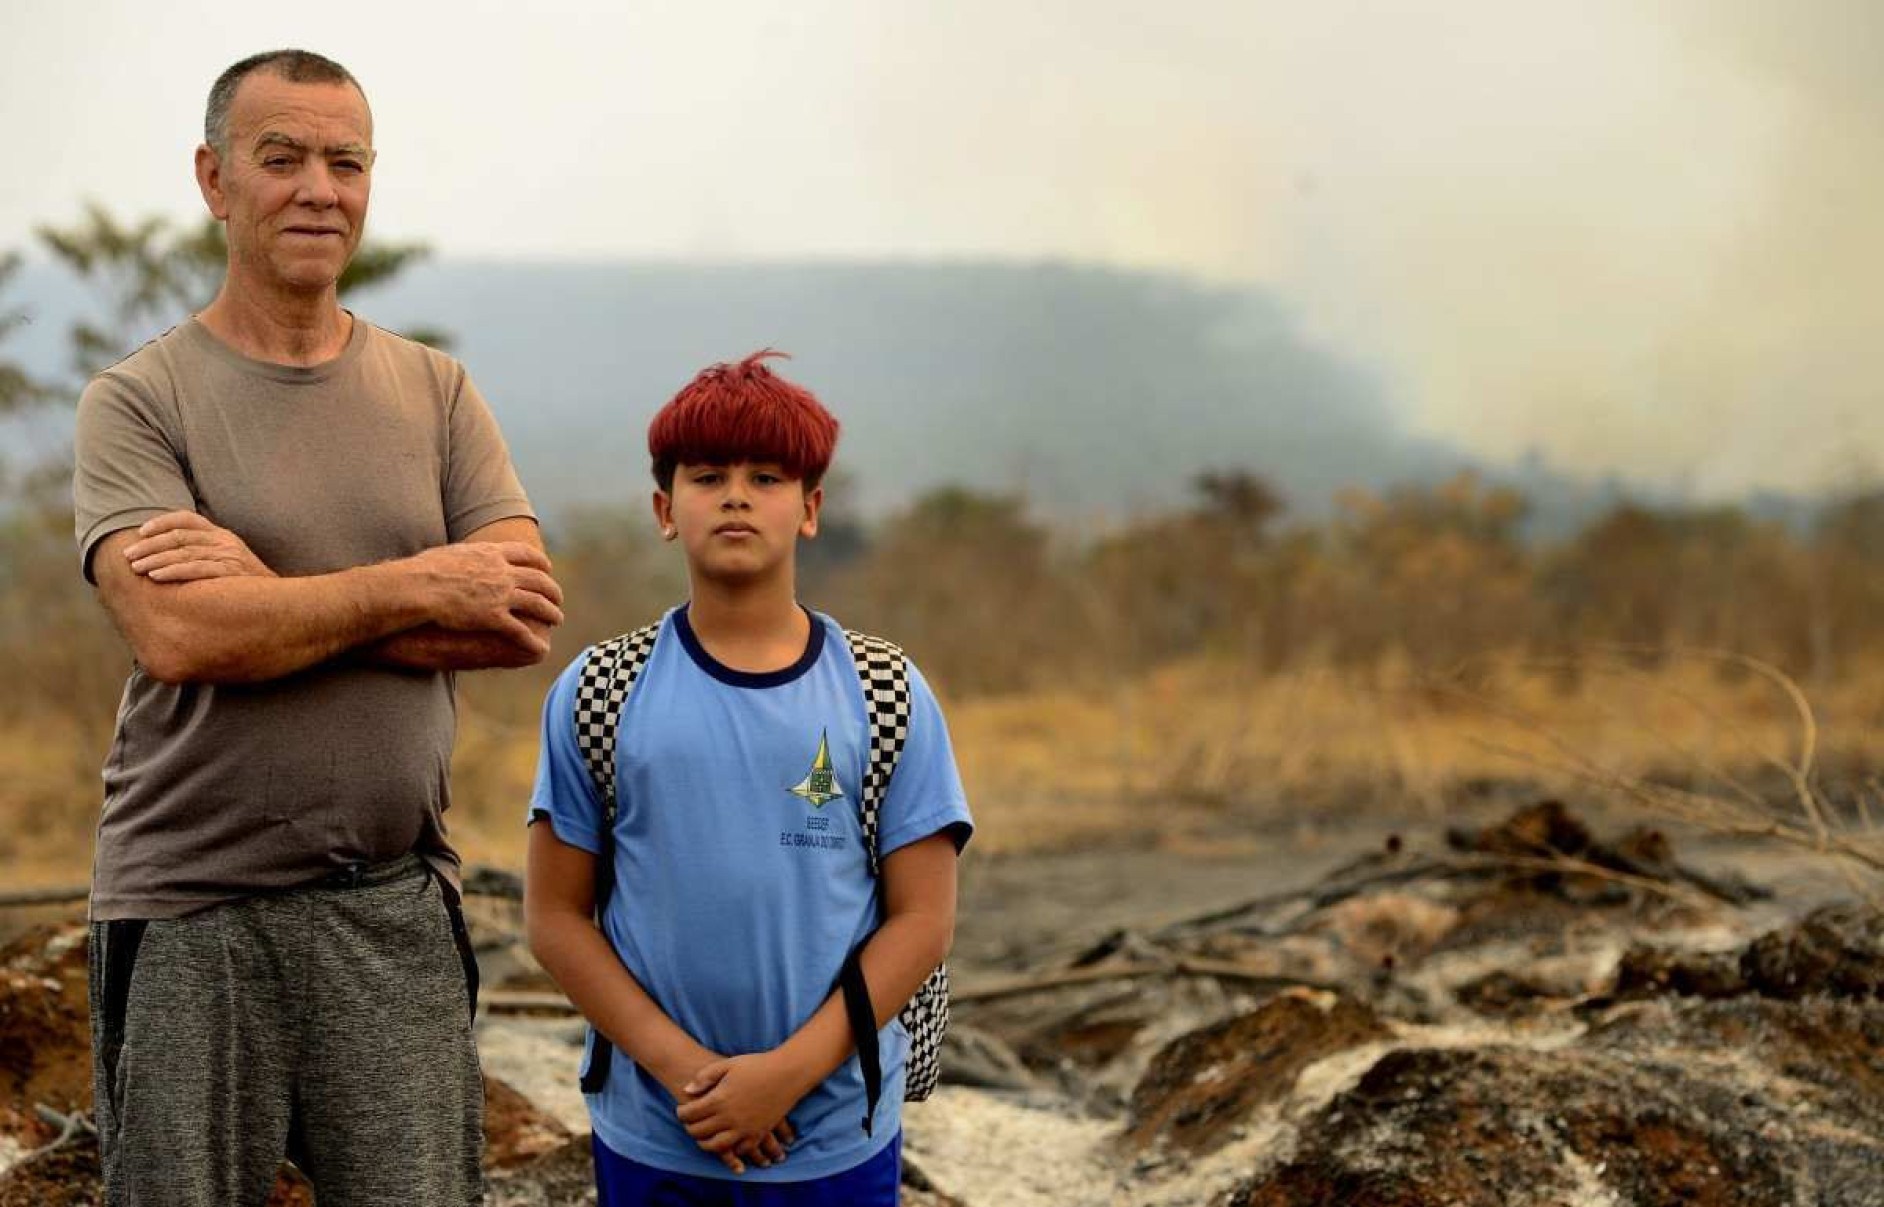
433,647
736,1108
182,546
493,587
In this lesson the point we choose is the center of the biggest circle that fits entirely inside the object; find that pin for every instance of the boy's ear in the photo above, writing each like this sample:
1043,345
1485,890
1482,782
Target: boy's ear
664,515
814,500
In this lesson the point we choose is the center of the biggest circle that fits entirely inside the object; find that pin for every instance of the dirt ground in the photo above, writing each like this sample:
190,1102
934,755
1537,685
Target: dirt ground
1205,1096
1291,1015
1196,1092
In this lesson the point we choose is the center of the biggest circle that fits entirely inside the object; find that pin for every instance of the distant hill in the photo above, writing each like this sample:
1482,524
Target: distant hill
1096,393
1087,390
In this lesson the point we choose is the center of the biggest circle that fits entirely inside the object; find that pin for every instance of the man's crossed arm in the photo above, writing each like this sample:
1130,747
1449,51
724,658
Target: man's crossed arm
197,605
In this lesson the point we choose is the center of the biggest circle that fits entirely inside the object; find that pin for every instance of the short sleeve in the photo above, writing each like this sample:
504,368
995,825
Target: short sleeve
481,485
564,792
925,795
127,467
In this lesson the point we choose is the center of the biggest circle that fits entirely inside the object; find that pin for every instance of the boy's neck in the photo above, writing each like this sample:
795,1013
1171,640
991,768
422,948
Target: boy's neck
749,630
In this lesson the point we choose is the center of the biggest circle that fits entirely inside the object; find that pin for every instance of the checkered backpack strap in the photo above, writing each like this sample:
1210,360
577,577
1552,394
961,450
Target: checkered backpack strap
884,673
607,677
885,678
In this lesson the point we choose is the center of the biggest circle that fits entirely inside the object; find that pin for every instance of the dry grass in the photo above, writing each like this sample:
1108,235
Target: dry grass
48,803
1693,738
1200,749
492,772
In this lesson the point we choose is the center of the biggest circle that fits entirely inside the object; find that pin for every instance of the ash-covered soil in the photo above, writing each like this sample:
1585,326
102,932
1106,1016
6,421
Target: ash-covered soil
1526,1013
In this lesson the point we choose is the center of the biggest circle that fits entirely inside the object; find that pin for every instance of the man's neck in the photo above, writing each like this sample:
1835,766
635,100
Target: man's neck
295,329
749,628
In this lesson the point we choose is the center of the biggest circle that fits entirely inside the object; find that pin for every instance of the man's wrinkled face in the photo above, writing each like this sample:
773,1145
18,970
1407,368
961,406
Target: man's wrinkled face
292,183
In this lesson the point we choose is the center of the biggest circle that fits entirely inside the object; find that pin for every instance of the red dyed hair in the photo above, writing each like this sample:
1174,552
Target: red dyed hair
743,412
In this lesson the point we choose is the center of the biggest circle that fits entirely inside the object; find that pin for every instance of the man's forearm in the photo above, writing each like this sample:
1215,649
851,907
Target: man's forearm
250,629
197,606
431,648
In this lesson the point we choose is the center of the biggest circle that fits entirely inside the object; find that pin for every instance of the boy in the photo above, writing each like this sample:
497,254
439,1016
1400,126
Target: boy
741,885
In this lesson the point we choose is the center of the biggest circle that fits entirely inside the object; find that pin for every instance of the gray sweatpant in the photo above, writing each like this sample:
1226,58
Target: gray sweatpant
331,1024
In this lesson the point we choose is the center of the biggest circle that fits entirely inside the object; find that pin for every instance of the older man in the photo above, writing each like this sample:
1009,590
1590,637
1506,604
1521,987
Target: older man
302,524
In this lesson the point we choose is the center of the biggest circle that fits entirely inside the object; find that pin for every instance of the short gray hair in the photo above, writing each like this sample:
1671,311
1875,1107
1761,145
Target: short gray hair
295,66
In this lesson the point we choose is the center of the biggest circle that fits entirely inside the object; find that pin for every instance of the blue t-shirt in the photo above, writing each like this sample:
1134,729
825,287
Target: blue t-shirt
741,882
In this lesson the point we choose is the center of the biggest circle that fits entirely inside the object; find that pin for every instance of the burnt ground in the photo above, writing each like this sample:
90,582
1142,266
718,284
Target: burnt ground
1527,1013
1687,1103
1544,1010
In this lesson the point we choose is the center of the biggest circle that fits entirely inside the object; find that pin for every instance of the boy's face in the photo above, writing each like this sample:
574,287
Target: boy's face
740,521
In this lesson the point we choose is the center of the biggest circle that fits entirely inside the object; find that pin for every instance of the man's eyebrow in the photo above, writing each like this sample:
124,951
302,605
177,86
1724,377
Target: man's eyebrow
274,138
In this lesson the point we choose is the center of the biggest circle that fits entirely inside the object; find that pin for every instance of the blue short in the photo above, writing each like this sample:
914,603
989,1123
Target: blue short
620,1182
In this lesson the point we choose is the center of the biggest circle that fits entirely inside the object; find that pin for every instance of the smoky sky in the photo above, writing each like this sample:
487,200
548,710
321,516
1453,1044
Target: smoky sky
1630,237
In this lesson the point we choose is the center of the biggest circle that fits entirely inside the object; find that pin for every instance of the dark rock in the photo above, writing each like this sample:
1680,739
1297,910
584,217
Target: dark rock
1717,1104
1836,950
1652,971
1200,1087
1541,830
1827,1054
1405,1131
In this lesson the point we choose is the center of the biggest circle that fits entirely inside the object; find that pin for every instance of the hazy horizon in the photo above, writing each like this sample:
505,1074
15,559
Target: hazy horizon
1640,239
1095,393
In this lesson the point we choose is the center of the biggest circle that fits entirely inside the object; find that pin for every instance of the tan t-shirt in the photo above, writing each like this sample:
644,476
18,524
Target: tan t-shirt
214,792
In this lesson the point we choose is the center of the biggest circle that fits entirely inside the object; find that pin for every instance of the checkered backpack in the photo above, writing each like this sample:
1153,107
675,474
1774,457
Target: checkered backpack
609,676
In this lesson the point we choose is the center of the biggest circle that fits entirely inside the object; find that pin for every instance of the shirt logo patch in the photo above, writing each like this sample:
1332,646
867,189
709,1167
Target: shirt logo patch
820,783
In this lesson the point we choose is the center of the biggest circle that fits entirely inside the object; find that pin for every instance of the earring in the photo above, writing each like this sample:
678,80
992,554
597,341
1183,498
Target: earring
669,532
